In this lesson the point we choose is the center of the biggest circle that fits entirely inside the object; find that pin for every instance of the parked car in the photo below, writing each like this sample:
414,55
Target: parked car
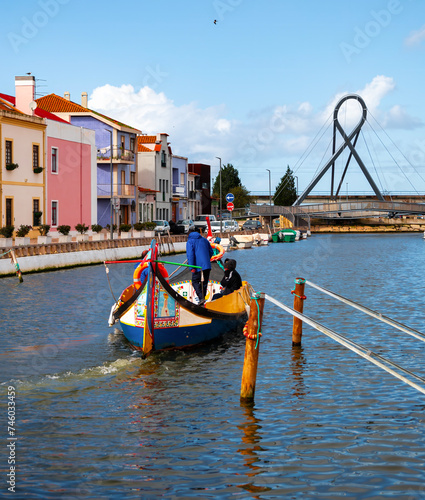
224,216
162,227
201,220
186,225
226,225
253,225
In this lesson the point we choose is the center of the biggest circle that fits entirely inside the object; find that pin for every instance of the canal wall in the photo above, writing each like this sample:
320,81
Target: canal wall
379,225
49,257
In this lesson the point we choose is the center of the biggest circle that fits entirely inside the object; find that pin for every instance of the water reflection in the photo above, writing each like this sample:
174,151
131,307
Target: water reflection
251,439
297,368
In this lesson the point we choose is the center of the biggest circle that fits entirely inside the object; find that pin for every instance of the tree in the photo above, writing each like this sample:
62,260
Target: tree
230,183
285,193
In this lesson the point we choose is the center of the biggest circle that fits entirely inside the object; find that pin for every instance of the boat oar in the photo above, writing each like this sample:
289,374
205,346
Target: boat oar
177,264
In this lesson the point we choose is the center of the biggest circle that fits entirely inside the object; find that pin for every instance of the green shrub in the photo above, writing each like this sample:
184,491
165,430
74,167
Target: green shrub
114,227
44,229
23,230
96,228
139,226
150,226
64,229
82,228
125,228
7,231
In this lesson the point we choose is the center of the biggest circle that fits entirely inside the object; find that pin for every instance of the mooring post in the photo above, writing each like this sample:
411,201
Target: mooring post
15,262
299,297
252,332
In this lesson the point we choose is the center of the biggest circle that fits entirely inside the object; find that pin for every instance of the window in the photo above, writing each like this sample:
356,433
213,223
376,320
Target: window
163,159
132,144
8,151
36,214
35,156
54,213
54,160
9,211
133,178
182,178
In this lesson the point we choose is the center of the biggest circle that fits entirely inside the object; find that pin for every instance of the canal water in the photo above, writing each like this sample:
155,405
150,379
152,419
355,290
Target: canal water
94,420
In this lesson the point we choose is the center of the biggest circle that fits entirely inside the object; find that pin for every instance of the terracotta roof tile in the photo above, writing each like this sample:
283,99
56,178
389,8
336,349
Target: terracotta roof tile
143,149
147,190
143,139
5,105
57,104
157,147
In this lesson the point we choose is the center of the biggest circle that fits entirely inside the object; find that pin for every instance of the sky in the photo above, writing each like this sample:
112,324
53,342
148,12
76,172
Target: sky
253,83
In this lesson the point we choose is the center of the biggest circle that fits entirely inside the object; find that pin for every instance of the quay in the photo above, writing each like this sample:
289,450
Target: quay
55,255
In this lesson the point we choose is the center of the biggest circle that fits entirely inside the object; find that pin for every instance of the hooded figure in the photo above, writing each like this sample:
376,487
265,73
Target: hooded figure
231,280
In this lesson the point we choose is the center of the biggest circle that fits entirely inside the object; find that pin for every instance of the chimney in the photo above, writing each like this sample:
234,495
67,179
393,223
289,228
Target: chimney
24,94
67,96
84,99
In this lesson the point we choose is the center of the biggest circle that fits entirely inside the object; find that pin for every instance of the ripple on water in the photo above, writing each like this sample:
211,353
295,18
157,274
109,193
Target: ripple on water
97,421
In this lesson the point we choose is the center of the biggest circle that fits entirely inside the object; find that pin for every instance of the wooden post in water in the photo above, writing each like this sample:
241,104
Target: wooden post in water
252,332
299,297
15,261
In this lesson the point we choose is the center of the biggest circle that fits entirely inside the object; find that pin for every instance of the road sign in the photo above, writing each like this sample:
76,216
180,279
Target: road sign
230,207
230,197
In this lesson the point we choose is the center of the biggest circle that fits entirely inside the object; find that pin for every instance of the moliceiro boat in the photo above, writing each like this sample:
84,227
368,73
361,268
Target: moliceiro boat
161,312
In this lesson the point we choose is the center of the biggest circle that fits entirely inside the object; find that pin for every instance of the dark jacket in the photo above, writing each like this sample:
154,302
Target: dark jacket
232,280
199,251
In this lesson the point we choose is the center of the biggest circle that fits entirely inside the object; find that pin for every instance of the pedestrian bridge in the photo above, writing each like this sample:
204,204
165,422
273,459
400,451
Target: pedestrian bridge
300,215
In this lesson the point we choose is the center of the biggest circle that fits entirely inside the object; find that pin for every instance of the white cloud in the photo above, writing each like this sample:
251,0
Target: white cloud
272,136
415,37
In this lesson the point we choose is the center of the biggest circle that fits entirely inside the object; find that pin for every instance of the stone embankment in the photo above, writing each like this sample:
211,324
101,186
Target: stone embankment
381,225
55,255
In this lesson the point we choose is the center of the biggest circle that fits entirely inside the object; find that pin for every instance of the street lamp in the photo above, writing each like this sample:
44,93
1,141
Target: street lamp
221,212
111,170
347,190
270,195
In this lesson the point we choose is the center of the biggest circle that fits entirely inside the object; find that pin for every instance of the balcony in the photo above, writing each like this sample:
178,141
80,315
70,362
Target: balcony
179,190
194,195
122,190
119,154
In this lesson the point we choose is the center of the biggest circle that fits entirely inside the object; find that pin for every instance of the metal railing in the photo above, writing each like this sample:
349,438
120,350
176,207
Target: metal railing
128,190
118,154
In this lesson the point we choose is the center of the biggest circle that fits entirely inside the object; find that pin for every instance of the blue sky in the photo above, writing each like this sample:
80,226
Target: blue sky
254,89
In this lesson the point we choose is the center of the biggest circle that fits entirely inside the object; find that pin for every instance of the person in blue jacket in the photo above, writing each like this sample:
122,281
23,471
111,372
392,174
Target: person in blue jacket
199,253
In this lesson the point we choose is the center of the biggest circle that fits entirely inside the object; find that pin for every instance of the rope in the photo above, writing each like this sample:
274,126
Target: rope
357,348
299,281
254,336
410,331
110,287
5,253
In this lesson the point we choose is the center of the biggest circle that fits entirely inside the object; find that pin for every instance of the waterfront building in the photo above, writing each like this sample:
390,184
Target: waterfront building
193,194
116,168
22,172
154,174
179,199
203,184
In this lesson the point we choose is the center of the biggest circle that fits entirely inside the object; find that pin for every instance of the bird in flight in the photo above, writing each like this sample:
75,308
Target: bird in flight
215,21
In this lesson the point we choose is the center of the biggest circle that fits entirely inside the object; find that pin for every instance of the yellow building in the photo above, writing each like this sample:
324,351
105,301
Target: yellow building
22,172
